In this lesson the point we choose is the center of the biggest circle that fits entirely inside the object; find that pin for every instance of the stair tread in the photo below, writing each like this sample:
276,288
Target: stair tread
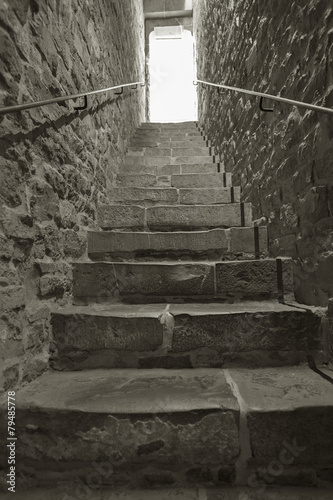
130,391
119,391
192,309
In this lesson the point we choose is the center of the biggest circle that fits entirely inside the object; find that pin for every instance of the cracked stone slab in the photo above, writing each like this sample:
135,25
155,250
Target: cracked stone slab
85,329
143,194
209,196
125,392
170,418
291,409
121,216
253,277
242,239
139,180
201,180
240,328
104,279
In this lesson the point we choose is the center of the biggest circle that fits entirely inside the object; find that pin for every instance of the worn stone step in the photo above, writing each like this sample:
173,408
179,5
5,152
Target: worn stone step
142,180
167,135
185,142
141,282
209,196
191,217
250,334
213,243
199,427
159,161
149,425
172,152
174,217
200,180
196,168
191,196
149,195
288,411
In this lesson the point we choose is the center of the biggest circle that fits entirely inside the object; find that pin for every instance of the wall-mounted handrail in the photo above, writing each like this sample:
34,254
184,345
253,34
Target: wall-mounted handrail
36,104
301,104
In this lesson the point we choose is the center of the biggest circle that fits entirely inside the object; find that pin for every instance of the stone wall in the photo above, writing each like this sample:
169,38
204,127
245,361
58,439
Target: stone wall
283,160
57,162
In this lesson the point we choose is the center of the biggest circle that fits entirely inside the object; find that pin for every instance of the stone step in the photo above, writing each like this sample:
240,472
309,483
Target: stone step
196,168
171,152
215,243
174,217
167,135
151,282
191,196
159,161
250,334
184,142
196,142
193,180
199,427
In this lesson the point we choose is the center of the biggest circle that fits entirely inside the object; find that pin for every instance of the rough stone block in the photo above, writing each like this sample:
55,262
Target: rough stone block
208,196
96,280
87,329
139,180
208,168
200,180
290,411
257,328
205,216
165,415
193,151
165,279
155,152
121,216
143,194
250,277
180,160
242,239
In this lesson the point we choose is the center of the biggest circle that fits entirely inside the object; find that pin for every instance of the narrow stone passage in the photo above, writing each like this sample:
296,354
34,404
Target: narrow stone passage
179,315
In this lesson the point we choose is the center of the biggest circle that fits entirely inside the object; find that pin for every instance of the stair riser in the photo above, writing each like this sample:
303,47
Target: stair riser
176,196
105,244
204,168
156,282
130,450
160,161
263,339
183,217
174,152
185,142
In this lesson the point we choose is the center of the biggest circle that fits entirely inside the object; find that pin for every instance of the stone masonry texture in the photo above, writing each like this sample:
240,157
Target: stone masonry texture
283,160
57,163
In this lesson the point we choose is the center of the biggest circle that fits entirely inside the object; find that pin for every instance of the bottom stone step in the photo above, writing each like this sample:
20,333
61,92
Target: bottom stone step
179,427
150,427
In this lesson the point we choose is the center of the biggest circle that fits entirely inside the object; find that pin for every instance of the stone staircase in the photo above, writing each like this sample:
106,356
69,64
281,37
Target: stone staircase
183,359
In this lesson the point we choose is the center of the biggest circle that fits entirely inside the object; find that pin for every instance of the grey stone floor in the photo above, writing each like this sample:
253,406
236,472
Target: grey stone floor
177,494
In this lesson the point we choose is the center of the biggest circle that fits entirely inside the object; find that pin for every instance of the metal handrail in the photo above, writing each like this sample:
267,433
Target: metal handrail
313,107
36,104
